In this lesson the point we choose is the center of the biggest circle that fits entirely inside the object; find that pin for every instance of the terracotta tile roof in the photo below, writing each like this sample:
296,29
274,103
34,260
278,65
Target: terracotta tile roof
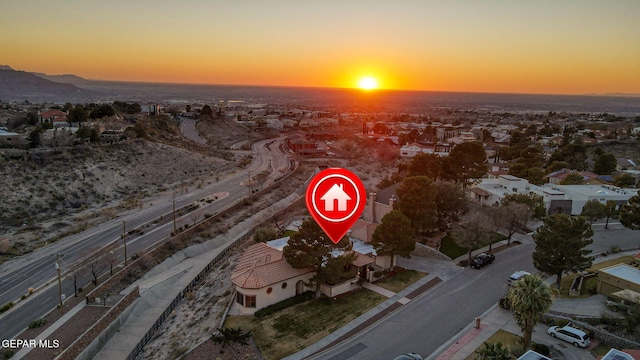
362,260
261,266
52,113
481,192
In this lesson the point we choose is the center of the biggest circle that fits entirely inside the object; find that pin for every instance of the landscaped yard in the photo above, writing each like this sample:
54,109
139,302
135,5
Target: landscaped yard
449,247
292,329
512,341
591,282
401,280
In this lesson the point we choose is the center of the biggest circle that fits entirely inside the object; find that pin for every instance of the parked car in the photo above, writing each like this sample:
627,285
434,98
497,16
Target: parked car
481,260
517,275
570,334
409,356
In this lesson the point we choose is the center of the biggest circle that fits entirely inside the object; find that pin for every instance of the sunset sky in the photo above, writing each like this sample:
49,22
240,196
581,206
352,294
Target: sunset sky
542,46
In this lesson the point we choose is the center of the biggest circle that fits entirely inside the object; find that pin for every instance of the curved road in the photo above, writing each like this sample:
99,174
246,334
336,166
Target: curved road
37,270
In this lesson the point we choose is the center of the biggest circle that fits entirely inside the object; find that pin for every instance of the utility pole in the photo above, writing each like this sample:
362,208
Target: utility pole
175,229
59,283
124,240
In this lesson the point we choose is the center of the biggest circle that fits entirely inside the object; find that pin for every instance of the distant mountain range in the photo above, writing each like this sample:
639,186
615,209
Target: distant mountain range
36,87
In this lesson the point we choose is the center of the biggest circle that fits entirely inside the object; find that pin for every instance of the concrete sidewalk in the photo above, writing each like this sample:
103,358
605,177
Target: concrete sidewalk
53,327
469,339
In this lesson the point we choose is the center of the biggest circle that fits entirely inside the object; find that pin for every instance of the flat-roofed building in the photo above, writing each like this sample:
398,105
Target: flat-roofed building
621,281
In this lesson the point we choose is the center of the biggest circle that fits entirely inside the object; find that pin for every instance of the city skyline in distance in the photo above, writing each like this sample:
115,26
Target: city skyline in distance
569,47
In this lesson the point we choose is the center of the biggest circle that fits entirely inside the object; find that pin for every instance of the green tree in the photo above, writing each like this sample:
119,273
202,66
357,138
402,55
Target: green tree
593,210
557,165
493,351
416,200
206,111
624,180
310,247
393,236
264,234
630,213
573,179
561,245
77,114
423,164
450,202
102,111
530,297
466,161
605,164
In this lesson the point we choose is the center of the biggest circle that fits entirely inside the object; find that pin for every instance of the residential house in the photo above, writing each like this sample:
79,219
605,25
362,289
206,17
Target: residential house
10,139
54,116
625,354
558,199
620,281
263,276
625,164
589,178
298,143
410,150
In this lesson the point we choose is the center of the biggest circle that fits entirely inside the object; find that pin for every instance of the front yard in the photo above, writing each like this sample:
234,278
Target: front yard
293,329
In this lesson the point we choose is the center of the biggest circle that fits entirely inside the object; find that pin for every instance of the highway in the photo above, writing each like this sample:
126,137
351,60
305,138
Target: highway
37,270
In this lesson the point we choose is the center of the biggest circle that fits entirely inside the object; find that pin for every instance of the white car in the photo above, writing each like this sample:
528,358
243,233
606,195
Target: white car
570,334
517,275
409,356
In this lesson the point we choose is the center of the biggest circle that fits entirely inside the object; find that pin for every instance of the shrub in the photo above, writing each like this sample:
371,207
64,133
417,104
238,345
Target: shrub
37,323
6,307
505,303
541,349
308,295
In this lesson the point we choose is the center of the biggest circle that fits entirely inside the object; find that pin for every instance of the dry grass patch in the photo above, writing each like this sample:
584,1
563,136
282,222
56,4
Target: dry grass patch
401,280
293,329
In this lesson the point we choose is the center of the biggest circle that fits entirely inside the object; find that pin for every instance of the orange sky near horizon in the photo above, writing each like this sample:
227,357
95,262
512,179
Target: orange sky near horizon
555,47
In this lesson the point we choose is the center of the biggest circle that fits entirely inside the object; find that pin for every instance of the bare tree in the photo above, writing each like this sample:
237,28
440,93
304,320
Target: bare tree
96,265
513,217
74,273
195,215
472,232
59,138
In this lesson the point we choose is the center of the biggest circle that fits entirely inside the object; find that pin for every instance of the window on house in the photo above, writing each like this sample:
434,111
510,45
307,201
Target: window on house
250,301
240,298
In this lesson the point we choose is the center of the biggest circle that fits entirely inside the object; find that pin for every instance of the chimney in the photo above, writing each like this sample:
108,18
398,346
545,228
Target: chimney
372,201
392,201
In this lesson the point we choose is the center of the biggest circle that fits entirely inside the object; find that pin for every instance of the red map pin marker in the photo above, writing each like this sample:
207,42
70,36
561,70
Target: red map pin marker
336,198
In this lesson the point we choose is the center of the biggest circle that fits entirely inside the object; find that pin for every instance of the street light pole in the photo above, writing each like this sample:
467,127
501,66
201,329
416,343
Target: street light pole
124,240
59,283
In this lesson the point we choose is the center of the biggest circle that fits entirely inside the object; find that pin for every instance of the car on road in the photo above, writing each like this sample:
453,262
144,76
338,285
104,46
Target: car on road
409,356
517,275
570,334
481,260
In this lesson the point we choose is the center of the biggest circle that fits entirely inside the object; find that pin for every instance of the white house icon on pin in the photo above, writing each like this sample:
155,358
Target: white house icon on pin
336,193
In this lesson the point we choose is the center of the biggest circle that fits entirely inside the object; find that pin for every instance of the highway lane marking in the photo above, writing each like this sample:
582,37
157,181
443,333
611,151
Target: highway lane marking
46,300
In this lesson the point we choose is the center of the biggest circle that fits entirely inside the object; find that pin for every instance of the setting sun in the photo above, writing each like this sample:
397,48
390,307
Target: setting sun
368,83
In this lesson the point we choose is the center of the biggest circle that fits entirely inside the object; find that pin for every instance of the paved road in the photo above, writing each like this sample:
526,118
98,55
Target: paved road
429,321
188,127
37,270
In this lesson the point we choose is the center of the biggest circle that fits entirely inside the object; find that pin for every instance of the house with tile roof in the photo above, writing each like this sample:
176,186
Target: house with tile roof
263,276
588,178
53,116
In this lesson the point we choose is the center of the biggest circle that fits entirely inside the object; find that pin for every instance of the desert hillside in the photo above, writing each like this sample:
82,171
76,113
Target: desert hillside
41,192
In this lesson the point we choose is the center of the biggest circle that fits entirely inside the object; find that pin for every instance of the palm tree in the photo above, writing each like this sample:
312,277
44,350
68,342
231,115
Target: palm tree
494,351
530,297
